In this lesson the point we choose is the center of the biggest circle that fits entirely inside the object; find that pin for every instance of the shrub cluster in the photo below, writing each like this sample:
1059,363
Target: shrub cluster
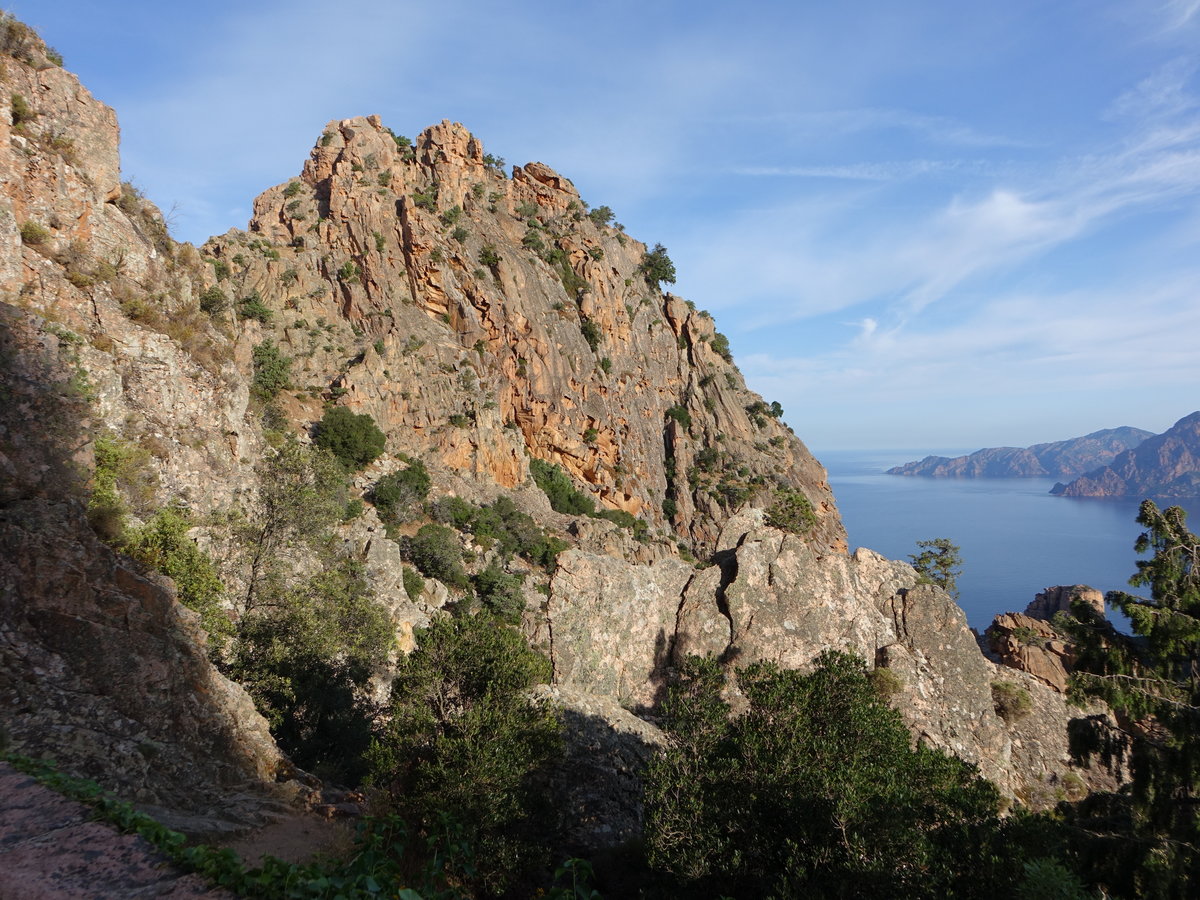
398,495
500,525
791,511
354,439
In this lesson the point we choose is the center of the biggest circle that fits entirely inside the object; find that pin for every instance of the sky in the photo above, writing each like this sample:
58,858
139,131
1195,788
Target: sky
934,225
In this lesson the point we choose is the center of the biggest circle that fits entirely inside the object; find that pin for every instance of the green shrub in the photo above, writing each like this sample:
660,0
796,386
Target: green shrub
656,267
414,584
591,333
489,257
398,495
601,215
348,273
252,307
436,552
1012,701
814,790
460,234
639,527
353,439
791,511
606,365
502,525
307,659
293,188
465,745
34,234
500,593
527,210
272,371
669,507
680,414
163,544
563,496
213,301
22,112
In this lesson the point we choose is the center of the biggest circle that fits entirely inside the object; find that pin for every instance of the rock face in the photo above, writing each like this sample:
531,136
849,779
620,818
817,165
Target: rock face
483,320
1166,465
1059,459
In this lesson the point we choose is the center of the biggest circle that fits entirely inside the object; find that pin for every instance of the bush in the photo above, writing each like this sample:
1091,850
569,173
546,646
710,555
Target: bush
414,584
398,496
307,659
252,307
720,344
272,370
680,414
34,234
814,790
489,257
354,439
213,301
22,112
1012,701
591,333
464,746
163,544
436,552
656,267
791,511
601,215
563,496
500,593
500,524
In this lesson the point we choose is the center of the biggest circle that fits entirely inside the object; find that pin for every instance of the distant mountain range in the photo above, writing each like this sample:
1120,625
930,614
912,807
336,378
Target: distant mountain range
1059,459
1165,465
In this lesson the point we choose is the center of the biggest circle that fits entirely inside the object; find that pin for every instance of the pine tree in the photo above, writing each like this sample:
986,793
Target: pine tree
1152,680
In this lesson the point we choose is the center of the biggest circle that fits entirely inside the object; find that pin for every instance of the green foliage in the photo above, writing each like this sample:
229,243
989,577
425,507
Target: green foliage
213,301
348,273
494,163
669,507
435,550
656,267
272,371
940,563
354,439
464,744
503,526
163,544
398,495
22,112
564,498
639,527
460,234
34,234
605,365
527,210
122,478
426,199
680,414
813,791
1012,701
489,257
591,333
791,511
1150,678
293,188
301,495
720,344
500,593
451,216
601,215
306,657
414,584
252,307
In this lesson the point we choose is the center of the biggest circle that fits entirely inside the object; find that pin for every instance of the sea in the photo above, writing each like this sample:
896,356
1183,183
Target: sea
1016,538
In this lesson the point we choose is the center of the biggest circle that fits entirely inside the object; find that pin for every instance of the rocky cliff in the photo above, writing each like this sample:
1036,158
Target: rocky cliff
483,320
1058,459
1166,465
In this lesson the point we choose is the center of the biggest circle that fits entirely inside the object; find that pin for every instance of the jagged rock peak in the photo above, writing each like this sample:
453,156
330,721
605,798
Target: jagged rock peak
484,320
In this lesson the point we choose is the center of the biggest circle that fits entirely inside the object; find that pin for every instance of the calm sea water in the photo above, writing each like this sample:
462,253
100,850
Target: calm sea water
1016,538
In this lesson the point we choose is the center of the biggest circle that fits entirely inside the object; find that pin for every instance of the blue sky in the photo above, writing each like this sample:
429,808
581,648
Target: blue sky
935,225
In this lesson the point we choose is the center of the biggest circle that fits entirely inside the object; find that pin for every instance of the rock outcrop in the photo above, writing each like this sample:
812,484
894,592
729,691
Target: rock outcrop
1166,466
1058,459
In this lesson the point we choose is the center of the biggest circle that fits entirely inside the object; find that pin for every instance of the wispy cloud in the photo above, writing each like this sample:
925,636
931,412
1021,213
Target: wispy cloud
881,171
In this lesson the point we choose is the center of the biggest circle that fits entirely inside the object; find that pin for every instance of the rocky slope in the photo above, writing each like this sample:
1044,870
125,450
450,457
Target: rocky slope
1166,465
1058,459
483,321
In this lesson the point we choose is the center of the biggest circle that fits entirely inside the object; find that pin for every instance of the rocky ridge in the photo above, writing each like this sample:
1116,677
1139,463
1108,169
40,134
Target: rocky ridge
1166,465
483,321
1057,459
